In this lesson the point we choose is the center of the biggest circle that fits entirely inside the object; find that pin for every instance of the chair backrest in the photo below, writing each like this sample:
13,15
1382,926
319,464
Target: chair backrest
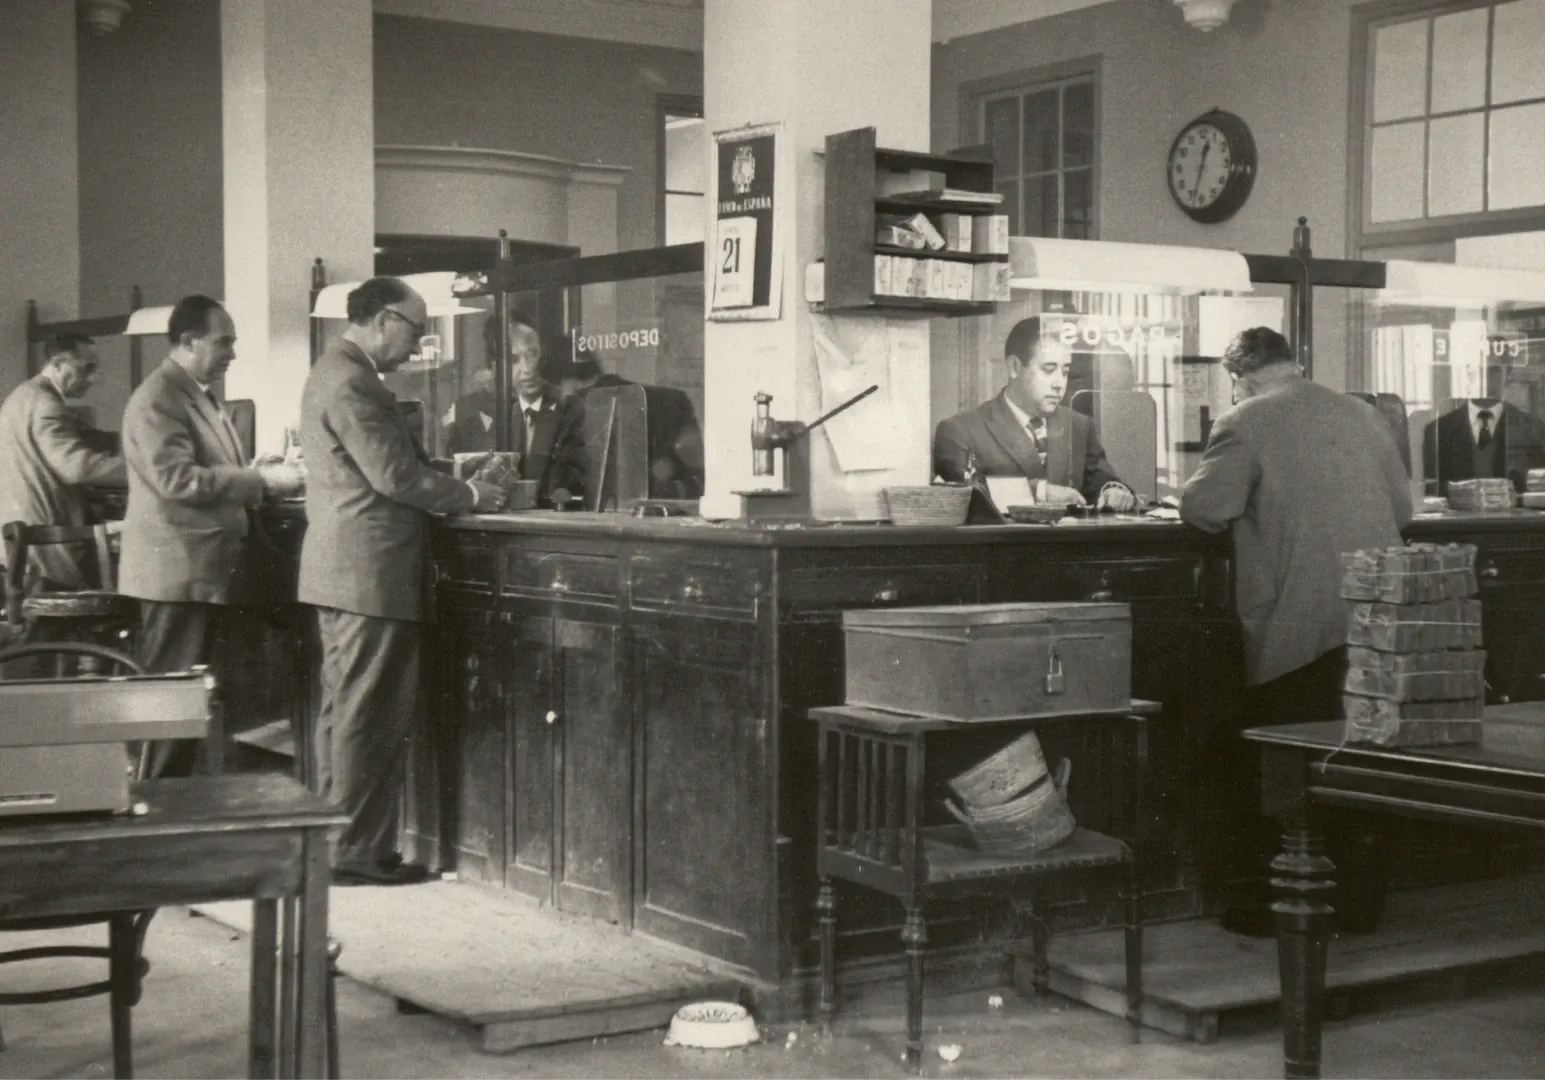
20,538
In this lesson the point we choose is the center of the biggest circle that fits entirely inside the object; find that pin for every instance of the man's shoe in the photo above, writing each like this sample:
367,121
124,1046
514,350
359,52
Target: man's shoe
380,873
1254,921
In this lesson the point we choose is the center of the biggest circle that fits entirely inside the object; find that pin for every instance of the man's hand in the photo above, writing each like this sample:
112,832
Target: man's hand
281,481
490,497
1057,495
1117,497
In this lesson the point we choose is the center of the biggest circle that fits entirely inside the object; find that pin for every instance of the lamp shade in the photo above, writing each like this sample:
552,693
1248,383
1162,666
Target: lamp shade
1108,266
1428,284
435,288
148,321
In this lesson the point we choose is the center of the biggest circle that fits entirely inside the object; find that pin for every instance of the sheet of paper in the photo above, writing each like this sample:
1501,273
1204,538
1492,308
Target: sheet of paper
1007,491
852,355
735,248
1219,318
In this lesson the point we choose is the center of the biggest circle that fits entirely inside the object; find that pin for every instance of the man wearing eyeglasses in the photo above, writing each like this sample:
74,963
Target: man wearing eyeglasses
370,497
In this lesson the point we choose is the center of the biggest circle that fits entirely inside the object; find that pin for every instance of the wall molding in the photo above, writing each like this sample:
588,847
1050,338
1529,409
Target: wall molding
499,163
669,24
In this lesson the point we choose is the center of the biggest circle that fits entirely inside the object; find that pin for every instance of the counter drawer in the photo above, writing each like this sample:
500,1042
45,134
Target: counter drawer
465,559
1509,566
1142,579
665,583
877,586
560,575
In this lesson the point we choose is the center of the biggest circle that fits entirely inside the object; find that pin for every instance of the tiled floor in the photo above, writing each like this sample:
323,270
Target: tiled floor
192,1023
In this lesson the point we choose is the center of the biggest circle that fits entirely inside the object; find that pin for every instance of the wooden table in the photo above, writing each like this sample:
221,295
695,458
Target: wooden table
1500,784
258,837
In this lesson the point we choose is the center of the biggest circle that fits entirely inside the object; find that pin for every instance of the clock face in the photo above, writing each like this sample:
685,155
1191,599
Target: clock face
1199,166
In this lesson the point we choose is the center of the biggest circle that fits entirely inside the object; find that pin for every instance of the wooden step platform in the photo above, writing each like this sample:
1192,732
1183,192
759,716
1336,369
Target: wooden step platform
1445,941
522,974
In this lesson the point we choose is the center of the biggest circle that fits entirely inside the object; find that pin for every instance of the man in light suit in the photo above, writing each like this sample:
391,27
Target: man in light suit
547,429
1027,431
1300,475
190,490
370,496
48,456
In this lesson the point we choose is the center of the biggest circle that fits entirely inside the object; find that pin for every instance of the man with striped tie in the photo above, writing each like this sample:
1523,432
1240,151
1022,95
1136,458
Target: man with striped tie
1026,431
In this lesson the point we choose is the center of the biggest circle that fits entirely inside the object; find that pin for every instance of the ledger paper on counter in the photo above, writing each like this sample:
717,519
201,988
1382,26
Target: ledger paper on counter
852,354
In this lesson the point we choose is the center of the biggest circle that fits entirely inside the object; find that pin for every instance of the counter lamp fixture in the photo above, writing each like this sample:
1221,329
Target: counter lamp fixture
1446,285
101,17
1107,266
435,288
1205,15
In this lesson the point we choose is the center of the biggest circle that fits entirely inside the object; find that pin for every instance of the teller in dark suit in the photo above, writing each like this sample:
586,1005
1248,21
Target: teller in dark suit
1479,438
547,430
370,494
1027,431
184,548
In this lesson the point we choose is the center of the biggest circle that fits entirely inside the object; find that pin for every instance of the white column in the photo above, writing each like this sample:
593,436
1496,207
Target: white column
40,221
819,67
299,120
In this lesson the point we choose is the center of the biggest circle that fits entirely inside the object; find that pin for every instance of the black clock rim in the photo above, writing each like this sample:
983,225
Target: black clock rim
1242,167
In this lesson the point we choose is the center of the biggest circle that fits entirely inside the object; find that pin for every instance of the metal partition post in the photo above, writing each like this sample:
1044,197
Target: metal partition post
318,331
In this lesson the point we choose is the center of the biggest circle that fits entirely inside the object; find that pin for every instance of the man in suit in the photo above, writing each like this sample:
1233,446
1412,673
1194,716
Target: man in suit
1027,431
1482,437
190,491
675,439
1300,475
370,495
546,429
49,456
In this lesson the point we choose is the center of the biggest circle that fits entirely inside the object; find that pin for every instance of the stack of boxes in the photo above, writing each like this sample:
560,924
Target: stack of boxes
1415,672
942,279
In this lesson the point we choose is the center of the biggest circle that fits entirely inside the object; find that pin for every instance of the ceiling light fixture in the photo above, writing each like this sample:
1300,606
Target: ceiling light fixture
1205,14
101,17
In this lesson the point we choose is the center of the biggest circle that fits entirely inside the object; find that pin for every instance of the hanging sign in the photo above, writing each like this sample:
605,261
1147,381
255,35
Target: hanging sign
745,251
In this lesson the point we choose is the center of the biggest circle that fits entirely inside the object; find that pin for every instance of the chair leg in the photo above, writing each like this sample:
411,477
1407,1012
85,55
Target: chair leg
2,1041
826,905
1040,950
123,968
914,935
1133,898
334,950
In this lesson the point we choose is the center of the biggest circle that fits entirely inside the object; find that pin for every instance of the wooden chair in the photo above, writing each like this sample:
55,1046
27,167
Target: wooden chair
99,615
125,929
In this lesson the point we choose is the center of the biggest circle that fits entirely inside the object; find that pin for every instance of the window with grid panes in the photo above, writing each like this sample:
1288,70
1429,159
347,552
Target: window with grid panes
1043,140
1454,121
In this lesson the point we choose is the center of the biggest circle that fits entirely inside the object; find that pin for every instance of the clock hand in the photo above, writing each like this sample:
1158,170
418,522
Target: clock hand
1201,168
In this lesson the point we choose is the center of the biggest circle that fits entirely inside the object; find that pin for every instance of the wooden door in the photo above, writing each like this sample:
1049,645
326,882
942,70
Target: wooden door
528,702
470,774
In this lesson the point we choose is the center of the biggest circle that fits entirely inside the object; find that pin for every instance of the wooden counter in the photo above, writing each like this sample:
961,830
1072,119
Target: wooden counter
617,720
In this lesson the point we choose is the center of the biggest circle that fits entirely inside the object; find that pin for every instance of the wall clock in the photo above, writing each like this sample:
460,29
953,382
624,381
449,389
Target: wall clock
1211,166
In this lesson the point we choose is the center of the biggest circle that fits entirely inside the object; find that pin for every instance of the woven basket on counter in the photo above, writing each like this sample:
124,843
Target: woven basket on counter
929,504
1032,822
995,780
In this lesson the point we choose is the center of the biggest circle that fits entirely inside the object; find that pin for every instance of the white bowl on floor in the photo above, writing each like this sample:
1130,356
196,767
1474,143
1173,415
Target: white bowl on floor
712,1025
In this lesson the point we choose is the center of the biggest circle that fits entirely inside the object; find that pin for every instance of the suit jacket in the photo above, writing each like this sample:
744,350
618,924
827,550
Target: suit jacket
47,453
369,493
557,457
1448,447
1074,456
185,529
1301,476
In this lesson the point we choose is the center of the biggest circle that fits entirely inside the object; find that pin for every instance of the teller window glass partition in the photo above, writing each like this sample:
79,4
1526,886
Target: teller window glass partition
1464,379
1143,369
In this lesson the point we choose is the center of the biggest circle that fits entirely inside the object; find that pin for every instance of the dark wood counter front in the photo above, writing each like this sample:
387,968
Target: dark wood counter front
617,712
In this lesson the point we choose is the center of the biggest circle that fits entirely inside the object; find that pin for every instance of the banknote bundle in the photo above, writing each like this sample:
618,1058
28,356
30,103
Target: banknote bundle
1418,574
1487,493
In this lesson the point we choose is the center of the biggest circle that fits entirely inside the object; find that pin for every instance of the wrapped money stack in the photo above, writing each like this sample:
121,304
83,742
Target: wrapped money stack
1415,668
1492,493
1534,490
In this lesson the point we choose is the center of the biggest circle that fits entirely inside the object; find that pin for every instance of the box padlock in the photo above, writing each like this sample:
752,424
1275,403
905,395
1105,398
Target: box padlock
1054,681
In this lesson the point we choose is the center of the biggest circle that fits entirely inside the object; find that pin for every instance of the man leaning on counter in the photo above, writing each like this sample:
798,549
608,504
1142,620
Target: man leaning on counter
1027,431
370,493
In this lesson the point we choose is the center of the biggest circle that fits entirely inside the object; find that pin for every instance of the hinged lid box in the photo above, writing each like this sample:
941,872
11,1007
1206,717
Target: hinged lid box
990,661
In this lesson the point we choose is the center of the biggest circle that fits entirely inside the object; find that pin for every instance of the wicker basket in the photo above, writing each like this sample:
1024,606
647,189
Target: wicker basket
931,504
997,779
1035,821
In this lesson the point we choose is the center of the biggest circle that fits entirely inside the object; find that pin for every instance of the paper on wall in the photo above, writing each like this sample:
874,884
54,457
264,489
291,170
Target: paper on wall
1221,317
851,355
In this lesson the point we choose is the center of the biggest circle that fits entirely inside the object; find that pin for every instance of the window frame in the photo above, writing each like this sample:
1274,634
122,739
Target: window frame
1365,234
669,105
975,93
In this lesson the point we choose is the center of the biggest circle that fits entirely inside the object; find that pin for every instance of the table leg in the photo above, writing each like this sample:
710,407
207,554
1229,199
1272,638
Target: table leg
287,1060
1132,895
826,905
1302,883
311,994
914,935
260,1022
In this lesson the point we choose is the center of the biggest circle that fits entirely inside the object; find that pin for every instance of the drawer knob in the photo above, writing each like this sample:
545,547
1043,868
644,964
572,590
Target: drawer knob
692,590
551,717
1490,571
888,595
559,584
1102,592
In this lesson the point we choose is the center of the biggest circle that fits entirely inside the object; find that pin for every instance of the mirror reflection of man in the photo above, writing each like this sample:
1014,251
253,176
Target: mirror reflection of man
1480,437
547,430
1027,431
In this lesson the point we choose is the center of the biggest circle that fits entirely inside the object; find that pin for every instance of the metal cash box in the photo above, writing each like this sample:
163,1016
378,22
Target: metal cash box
62,741
990,661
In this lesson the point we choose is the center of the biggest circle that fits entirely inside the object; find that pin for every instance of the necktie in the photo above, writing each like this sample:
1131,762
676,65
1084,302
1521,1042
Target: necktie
530,426
1483,437
1037,429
